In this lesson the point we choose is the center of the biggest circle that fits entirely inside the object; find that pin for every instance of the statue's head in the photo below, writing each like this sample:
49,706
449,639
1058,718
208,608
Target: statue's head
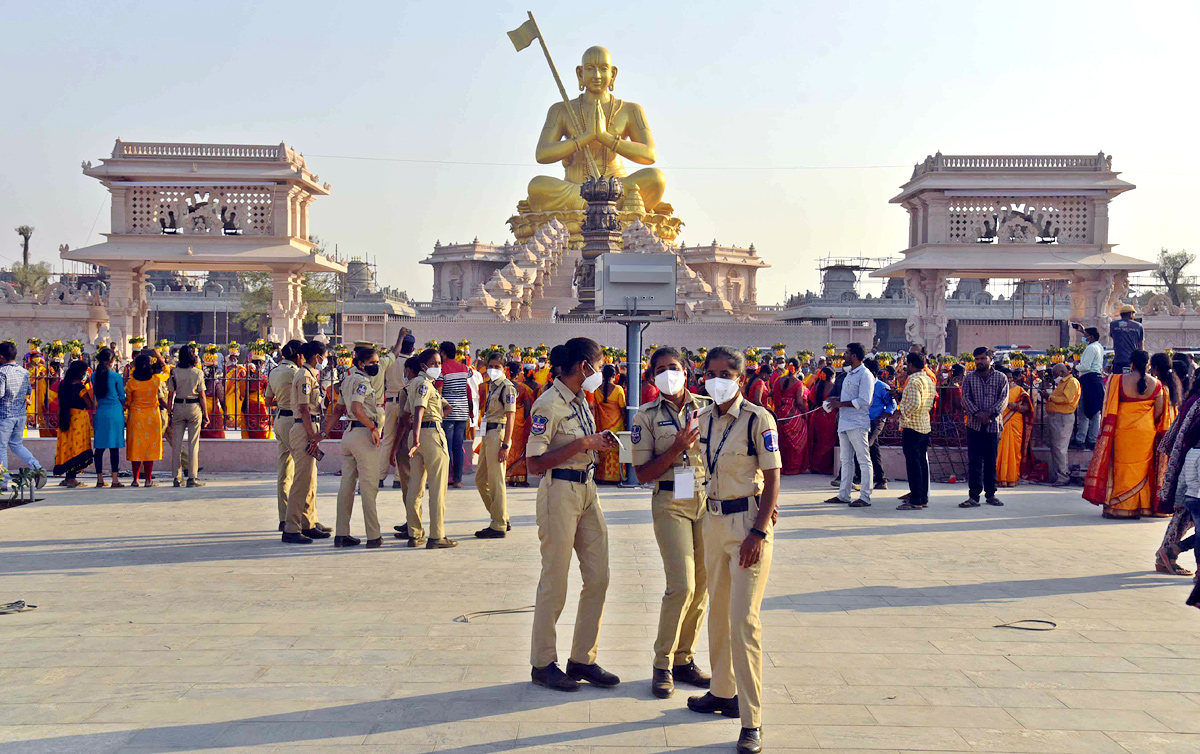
596,73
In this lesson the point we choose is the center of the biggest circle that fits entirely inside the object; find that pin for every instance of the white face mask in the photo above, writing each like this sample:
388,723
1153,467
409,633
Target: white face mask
433,372
495,374
669,382
592,381
721,389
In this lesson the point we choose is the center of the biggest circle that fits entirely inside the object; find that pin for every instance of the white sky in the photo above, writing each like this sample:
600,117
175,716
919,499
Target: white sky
735,93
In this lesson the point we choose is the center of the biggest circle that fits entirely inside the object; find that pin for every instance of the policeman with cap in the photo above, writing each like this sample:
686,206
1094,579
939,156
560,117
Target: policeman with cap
429,454
304,436
279,394
499,410
392,366
360,448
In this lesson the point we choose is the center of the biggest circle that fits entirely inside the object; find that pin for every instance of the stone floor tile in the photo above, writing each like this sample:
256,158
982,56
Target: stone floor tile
944,717
889,737
1040,741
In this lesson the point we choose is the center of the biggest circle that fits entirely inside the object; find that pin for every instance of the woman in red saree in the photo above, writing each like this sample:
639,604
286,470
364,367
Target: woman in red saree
791,398
1127,470
758,390
214,398
822,426
608,406
258,418
517,474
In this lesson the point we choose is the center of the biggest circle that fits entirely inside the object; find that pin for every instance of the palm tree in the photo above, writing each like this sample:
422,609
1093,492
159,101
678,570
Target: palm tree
25,231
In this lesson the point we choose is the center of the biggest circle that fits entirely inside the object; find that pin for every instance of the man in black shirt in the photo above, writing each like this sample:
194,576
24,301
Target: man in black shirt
1127,337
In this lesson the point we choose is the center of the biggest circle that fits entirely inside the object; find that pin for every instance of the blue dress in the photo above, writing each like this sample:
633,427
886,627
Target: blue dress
110,412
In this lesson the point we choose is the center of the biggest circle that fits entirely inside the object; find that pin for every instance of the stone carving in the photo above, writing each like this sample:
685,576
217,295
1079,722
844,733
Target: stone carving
1160,303
927,324
9,293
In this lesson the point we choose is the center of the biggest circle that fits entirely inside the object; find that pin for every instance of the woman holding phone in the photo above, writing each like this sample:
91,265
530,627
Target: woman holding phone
666,451
740,445
562,447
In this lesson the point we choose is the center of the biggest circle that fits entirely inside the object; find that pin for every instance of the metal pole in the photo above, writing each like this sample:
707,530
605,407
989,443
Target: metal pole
633,397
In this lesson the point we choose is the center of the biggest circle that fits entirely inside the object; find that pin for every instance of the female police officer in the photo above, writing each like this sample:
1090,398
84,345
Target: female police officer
740,445
665,436
429,454
561,447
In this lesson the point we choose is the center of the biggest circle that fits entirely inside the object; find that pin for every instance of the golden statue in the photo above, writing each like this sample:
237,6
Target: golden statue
612,129
588,134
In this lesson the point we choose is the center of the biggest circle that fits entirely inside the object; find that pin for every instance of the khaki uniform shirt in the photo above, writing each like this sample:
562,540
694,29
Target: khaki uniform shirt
279,384
734,469
393,377
422,394
356,388
558,418
386,359
306,388
501,401
654,428
188,382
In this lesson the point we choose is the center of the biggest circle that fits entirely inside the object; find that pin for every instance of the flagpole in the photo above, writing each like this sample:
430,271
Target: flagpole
566,100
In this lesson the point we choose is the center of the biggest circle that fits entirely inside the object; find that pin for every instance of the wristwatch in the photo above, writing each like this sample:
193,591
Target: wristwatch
504,445
758,533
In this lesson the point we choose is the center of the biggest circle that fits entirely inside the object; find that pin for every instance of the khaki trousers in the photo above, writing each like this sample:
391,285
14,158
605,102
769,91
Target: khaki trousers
678,527
569,518
734,627
301,508
391,415
185,417
282,429
489,479
360,464
431,460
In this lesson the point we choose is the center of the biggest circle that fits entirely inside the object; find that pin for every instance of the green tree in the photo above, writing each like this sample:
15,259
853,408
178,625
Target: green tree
24,231
319,291
33,278
1171,265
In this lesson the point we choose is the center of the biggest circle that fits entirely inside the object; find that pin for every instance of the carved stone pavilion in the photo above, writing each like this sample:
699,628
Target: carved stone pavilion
1023,217
205,207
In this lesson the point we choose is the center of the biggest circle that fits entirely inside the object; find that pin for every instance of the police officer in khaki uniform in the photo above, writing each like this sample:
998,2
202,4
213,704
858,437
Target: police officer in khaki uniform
279,394
666,452
185,388
428,454
300,522
394,381
499,409
561,447
360,448
740,445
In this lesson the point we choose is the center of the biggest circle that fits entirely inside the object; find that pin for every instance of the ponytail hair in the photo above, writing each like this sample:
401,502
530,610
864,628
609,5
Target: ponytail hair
574,352
1138,362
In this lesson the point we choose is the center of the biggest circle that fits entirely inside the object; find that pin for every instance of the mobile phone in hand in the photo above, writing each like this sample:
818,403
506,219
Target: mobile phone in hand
613,435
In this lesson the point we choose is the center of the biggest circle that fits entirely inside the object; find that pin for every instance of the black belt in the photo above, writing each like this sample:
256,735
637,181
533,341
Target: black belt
725,507
357,424
392,399
667,485
573,475
187,400
429,425
492,425
316,419
285,412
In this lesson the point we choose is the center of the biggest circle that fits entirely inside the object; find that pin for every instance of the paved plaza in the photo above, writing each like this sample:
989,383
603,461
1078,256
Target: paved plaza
174,620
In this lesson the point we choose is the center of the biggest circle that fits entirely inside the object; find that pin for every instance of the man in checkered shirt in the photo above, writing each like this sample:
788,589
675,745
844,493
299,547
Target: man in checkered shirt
14,388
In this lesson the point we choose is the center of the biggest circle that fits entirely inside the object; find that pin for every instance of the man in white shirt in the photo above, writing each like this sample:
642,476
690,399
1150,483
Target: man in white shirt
854,425
1091,383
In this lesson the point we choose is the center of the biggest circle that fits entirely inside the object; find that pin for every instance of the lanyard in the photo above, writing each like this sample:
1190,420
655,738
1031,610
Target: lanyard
712,466
668,408
584,418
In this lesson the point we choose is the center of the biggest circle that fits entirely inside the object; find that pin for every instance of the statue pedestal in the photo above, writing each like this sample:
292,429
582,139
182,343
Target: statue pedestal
601,234
526,222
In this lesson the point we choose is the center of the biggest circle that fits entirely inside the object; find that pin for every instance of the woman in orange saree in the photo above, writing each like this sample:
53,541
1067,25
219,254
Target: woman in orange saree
608,406
257,425
215,429
822,426
791,399
517,472
1015,437
1126,470
235,394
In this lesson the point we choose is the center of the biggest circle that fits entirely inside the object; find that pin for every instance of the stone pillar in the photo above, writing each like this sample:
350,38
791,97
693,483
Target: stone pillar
1094,295
601,234
938,211
927,324
127,307
287,305
1100,220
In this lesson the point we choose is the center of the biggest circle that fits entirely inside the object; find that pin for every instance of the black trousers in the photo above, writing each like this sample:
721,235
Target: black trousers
877,474
981,462
916,460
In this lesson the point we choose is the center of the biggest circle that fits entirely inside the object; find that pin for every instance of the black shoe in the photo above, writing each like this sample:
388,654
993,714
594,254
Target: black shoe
322,527
315,533
593,674
296,539
177,483
507,526
401,531
195,483
662,684
709,704
373,543
553,678
489,533
750,742
691,675
880,485
397,486
280,526
346,541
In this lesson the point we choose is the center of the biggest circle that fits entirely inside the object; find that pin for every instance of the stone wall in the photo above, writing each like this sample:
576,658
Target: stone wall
531,332
1039,334
50,321
1168,331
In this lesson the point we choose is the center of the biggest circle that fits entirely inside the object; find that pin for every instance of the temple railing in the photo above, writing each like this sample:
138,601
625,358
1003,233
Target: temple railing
1007,163
201,151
